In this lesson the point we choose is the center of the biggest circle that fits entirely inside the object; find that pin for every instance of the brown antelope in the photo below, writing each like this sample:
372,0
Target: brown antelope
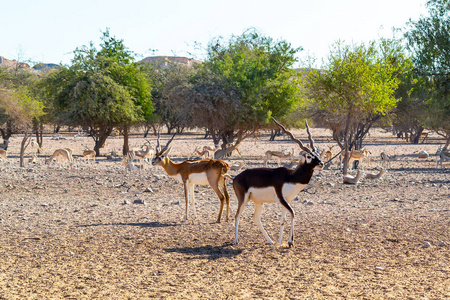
203,154
210,172
143,154
228,150
62,155
349,179
278,154
424,136
376,176
264,185
359,155
329,153
88,153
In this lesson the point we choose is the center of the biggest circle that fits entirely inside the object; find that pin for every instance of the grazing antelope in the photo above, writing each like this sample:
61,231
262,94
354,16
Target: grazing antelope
386,159
349,179
210,172
278,154
88,153
376,176
62,155
264,185
444,155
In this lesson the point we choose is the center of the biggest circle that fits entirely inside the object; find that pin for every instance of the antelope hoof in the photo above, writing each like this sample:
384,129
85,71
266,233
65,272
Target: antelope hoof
291,244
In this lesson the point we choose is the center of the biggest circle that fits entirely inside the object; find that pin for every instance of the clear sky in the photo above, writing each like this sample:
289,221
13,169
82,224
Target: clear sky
49,30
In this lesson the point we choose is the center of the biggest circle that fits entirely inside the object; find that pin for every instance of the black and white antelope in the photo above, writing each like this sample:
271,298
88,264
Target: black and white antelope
210,172
264,185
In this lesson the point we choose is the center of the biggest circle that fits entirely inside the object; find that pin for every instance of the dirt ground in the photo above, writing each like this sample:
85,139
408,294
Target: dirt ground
95,232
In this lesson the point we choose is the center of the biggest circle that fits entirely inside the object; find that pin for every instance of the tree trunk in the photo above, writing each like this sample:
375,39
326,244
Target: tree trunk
100,139
23,146
125,147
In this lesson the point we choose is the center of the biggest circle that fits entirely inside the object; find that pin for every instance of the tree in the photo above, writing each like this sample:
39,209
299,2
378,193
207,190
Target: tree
429,41
21,107
244,81
355,88
169,82
101,90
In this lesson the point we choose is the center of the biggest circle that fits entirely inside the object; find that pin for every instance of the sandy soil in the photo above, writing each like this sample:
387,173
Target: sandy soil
79,234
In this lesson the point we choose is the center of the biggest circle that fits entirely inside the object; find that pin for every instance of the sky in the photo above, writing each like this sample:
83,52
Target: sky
49,31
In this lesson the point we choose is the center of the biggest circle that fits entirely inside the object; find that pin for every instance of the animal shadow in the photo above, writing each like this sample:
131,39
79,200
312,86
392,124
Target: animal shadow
206,252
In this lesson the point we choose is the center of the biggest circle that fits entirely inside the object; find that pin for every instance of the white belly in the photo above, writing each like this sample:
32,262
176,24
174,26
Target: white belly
195,178
268,194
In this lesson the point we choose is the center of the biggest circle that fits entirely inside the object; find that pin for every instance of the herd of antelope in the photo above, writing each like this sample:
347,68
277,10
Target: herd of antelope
260,185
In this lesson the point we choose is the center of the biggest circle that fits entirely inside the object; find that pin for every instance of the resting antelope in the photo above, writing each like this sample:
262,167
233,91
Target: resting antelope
210,172
348,179
376,176
278,154
264,185
62,154
127,161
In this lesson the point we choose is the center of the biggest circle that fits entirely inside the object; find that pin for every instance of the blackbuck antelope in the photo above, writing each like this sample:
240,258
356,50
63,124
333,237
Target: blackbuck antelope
210,172
278,154
264,185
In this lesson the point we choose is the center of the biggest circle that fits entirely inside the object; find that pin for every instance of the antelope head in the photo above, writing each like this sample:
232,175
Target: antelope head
161,154
312,155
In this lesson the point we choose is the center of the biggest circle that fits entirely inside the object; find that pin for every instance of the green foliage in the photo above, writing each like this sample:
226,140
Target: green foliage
356,88
429,41
356,80
101,89
259,70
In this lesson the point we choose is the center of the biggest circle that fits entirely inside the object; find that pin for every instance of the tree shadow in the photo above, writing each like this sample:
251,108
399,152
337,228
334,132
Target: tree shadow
207,252
149,224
